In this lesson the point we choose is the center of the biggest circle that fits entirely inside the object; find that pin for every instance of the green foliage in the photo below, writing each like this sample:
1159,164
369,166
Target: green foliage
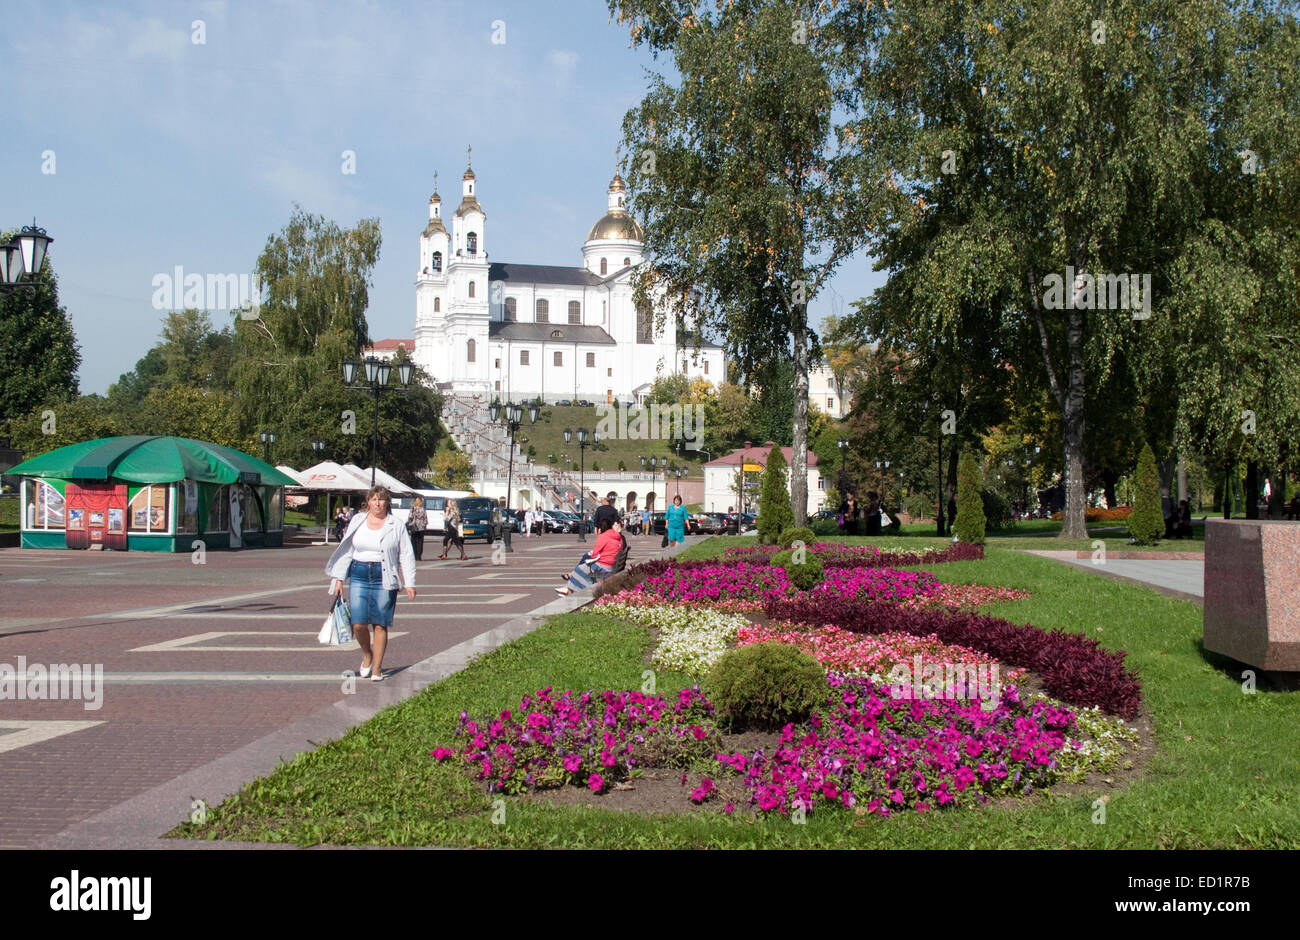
806,575
825,527
918,505
462,471
189,353
765,686
83,419
970,523
1147,523
39,355
997,514
774,512
796,534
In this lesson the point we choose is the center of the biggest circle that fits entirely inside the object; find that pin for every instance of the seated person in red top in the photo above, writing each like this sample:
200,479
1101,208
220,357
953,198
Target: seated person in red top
599,561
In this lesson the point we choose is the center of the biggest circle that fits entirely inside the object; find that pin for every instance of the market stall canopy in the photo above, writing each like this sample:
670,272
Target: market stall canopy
395,486
327,475
290,472
141,458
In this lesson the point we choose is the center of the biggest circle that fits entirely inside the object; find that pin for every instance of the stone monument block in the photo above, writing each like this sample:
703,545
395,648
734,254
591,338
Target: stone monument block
1252,592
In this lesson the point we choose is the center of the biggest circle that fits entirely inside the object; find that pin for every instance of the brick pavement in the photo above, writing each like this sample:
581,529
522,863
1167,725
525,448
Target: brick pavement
212,672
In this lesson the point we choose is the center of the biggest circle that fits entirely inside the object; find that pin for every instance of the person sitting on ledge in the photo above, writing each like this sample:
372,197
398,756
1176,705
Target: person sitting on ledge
1183,520
598,562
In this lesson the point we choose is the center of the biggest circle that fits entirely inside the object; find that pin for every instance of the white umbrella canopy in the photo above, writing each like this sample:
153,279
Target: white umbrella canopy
291,474
395,486
327,475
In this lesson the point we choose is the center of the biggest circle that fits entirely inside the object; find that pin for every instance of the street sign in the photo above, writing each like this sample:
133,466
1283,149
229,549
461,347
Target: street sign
753,468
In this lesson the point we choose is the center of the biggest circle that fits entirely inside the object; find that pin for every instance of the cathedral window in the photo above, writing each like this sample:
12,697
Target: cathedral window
591,360
543,311
471,288
437,262
706,367
469,349
471,244
559,358
437,304
512,312
603,267
523,357
644,324
575,312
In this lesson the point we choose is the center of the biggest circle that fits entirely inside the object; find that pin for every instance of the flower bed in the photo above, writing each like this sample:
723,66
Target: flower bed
896,755
1074,668
746,582
1092,514
839,555
963,597
594,740
848,653
691,639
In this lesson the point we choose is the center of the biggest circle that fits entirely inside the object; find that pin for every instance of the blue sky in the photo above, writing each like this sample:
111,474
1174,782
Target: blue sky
167,152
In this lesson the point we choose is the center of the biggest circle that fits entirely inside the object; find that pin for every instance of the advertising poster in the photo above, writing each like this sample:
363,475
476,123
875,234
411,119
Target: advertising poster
75,519
116,520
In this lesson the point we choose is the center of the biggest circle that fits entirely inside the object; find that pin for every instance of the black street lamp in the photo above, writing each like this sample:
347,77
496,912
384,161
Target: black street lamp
268,438
318,448
678,474
652,464
512,415
582,475
23,255
378,372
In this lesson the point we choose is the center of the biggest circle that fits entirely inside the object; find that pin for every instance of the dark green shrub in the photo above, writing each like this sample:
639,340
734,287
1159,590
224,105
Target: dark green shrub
997,514
800,533
766,686
805,576
969,526
824,527
1147,523
774,512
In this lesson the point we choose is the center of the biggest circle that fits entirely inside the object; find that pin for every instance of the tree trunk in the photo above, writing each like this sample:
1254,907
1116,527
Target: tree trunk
1252,490
799,463
1075,515
1182,478
939,503
1109,478
1227,493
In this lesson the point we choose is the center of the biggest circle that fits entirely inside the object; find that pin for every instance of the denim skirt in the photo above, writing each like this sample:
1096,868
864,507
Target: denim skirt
369,602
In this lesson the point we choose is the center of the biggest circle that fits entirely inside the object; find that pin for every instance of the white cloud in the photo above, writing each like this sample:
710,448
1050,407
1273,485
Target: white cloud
565,63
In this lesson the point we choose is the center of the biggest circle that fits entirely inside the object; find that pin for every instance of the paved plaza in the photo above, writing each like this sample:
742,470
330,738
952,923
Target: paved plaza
212,672
1183,578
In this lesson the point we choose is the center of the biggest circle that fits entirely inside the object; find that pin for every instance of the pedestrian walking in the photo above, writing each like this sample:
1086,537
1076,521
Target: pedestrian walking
375,558
675,522
451,530
606,510
416,523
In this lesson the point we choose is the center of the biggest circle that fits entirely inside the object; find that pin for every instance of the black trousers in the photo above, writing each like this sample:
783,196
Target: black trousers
417,543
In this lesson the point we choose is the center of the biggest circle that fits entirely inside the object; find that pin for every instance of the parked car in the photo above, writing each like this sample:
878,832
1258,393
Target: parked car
576,522
584,404
482,518
565,403
748,520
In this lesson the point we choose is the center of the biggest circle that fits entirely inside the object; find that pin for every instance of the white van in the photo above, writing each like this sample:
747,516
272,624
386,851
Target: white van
435,506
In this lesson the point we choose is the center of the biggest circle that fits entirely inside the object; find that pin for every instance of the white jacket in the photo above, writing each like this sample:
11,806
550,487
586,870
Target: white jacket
394,546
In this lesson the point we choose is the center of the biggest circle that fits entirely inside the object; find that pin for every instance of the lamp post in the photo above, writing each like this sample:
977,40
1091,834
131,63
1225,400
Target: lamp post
842,444
377,374
677,473
652,463
23,255
582,475
512,415
268,438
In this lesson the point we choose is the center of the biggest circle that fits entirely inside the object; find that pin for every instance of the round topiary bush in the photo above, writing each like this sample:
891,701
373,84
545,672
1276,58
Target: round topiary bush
799,533
765,686
804,576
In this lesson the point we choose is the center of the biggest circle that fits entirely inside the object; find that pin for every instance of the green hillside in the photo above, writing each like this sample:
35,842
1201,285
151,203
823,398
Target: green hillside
547,436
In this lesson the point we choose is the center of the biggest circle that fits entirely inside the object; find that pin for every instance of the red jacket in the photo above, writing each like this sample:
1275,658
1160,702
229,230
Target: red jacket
607,547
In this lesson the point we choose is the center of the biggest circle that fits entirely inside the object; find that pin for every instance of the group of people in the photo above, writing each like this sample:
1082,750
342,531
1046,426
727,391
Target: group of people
861,518
532,520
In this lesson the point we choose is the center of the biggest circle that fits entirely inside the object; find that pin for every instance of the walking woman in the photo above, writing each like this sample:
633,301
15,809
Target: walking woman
675,519
374,551
451,530
850,510
416,523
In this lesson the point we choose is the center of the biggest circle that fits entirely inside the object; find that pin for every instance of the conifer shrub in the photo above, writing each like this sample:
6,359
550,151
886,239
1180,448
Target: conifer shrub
804,576
765,686
1147,522
774,512
799,533
969,526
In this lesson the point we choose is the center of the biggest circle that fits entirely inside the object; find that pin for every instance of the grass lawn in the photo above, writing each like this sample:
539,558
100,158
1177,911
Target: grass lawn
1043,535
8,513
547,435
1222,775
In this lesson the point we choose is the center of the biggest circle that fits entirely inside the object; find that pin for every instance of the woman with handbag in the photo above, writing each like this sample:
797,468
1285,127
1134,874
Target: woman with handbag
451,534
416,523
375,550
675,522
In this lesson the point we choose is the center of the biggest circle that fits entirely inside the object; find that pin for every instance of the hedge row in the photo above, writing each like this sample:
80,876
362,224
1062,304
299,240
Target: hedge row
1074,668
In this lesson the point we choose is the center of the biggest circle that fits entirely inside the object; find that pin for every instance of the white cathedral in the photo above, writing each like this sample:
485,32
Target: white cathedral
519,331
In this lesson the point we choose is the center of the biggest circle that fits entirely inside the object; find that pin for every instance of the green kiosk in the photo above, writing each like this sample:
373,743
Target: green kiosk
151,494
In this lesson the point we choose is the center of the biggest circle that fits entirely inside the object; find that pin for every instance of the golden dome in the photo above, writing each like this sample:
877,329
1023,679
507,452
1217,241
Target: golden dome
617,184
616,224
434,226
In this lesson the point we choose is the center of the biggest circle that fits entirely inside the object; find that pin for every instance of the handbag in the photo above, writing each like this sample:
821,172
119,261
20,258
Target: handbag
337,629
664,543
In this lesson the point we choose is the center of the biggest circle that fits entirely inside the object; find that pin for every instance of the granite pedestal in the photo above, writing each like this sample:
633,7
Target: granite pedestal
1252,592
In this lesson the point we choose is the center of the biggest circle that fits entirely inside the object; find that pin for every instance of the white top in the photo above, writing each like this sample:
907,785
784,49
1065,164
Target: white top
397,556
366,544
